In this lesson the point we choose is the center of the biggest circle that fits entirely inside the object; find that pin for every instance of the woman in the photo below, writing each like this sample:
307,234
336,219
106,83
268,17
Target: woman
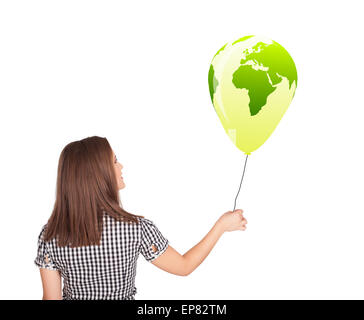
93,243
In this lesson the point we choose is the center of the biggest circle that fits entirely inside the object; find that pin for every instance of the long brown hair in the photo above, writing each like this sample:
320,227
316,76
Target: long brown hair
86,188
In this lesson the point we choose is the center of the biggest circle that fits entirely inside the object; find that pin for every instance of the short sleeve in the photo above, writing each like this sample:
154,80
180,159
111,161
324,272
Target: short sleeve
150,235
43,258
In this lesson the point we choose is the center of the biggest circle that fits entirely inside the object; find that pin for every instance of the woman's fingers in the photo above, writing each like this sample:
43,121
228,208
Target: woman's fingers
243,224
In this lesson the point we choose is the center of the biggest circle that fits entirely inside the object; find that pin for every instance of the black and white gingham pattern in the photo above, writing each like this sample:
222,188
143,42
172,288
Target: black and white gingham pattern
106,271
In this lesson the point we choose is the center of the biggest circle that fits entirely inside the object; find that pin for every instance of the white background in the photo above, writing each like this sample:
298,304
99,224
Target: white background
136,73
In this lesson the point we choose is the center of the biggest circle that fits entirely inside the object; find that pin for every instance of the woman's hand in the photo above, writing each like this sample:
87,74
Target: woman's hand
232,220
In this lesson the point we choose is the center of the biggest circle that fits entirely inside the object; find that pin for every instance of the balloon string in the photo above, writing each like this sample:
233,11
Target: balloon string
246,159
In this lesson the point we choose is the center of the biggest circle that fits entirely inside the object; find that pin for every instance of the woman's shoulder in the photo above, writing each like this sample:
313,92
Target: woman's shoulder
146,222
42,231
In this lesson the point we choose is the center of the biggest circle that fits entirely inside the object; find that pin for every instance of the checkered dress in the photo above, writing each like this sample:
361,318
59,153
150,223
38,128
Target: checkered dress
106,271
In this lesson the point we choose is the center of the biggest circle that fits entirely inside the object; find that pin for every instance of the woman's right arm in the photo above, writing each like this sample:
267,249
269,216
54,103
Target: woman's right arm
173,262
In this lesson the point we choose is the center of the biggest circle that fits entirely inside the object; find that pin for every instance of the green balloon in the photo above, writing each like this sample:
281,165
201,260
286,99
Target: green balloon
252,81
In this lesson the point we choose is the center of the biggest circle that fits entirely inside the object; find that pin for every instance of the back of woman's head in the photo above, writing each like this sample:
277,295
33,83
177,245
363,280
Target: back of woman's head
86,189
